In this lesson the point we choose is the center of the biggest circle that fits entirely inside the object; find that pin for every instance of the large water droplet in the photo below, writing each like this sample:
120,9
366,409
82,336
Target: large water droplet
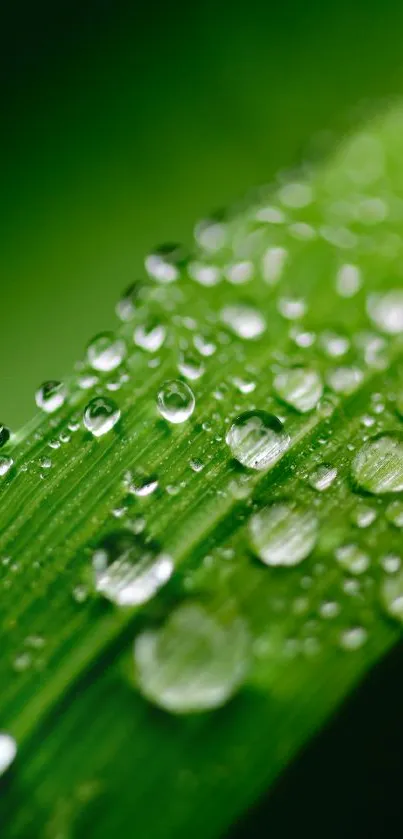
244,321
257,439
127,570
378,466
164,264
386,311
50,396
175,401
284,533
8,751
195,662
100,415
105,352
392,596
4,435
299,387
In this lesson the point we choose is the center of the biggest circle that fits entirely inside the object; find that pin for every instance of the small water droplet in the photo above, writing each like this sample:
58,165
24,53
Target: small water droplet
127,570
273,264
296,195
190,365
243,385
323,477
299,387
257,439
284,533
105,352
164,263
334,344
348,280
352,559
204,344
386,311
4,435
175,401
101,415
8,751
329,609
240,272
205,274
363,516
150,335
45,463
394,513
378,466
196,465
354,638
292,308
391,563
344,379
50,396
211,234
245,321
195,662
5,465
129,302
140,484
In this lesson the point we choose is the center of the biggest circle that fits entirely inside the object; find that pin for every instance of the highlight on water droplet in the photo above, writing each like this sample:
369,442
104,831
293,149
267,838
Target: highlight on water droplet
194,662
299,387
50,396
190,365
378,466
129,571
283,533
105,352
8,751
257,439
175,401
100,415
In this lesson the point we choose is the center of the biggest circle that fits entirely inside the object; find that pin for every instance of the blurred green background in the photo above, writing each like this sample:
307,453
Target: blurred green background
122,123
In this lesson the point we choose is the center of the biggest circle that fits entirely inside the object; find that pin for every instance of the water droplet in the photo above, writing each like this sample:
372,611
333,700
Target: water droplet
394,513
5,465
211,234
352,559
87,380
329,609
195,662
127,570
129,302
243,385
299,387
206,275
334,344
190,365
196,465
386,311
4,435
345,379
45,463
100,415
392,596
244,321
284,533
322,477
391,563
239,272
204,345
175,401
348,280
363,516
273,264
378,466
296,195
150,336
292,308
354,638
257,439
8,751
105,352
50,396
164,264
140,484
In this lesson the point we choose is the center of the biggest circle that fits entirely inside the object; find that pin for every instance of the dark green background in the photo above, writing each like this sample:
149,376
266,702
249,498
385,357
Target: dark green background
122,123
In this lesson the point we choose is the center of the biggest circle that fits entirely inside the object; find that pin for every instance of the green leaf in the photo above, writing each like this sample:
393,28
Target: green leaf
243,426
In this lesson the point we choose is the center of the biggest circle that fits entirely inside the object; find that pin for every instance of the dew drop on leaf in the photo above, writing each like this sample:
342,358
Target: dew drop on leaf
392,596
378,466
50,396
299,387
245,321
284,533
348,280
257,439
140,484
344,379
4,435
150,335
175,401
129,571
354,638
101,415
195,662
8,751
5,465
129,302
190,365
352,559
105,352
386,311
323,477
164,263
394,513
